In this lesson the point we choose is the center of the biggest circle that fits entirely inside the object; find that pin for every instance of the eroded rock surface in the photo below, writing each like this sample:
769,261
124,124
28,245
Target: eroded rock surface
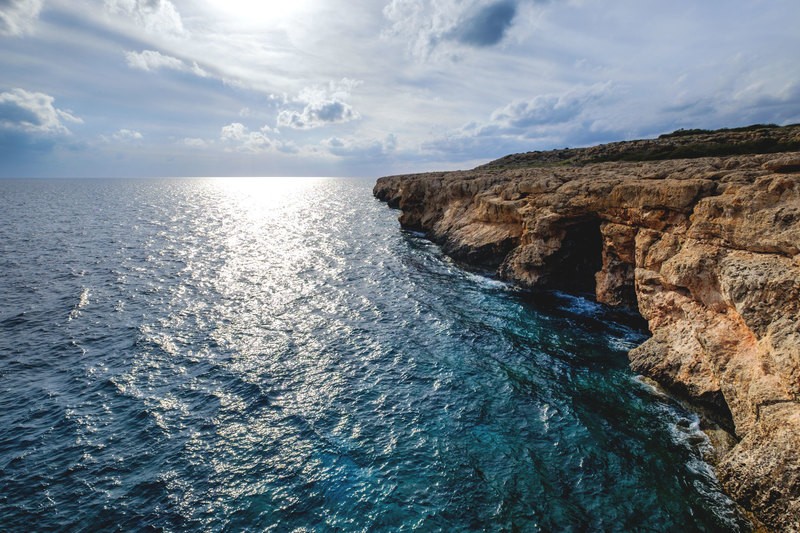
707,249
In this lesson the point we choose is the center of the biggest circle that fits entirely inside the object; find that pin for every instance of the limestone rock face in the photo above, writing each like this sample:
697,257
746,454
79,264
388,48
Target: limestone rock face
707,250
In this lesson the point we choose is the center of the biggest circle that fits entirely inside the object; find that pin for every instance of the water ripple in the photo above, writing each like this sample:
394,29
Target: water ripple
277,355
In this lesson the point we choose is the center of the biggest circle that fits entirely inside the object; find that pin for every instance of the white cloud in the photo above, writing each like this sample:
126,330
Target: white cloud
17,17
151,61
238,137
34,113
527,77
573,117
360,148
155,16
233,132
195,142
321,106
125,135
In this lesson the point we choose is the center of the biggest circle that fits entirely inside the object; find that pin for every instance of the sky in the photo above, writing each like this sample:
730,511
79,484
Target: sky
374,87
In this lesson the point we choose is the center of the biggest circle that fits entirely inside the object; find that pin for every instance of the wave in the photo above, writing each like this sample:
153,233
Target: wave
83,301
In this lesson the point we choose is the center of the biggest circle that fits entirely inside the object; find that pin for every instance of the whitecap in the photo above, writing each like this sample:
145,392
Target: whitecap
83,301
627,341
488,282
579,305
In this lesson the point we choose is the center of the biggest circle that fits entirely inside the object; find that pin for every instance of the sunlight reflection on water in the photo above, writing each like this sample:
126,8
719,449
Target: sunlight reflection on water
275,354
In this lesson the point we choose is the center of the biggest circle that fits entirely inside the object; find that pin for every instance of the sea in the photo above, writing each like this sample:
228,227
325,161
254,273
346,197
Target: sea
271,354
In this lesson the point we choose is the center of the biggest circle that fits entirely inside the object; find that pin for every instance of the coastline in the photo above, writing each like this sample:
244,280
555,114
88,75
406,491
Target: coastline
706,249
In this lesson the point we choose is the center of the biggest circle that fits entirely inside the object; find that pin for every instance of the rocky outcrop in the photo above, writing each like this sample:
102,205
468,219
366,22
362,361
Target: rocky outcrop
707,250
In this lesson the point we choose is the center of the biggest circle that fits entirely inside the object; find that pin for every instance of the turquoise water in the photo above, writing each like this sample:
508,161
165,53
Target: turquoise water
278,355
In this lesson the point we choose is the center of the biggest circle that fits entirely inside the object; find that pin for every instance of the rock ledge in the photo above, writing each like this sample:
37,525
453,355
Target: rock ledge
707,250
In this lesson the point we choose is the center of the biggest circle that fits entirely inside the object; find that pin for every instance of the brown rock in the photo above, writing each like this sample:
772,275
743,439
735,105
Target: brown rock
783,164
707,249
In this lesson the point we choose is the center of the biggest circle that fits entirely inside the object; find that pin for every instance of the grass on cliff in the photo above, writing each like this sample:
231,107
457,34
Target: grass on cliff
697,131
680,144
703,149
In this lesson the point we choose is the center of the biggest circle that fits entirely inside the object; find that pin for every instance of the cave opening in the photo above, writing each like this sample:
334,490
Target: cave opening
573,267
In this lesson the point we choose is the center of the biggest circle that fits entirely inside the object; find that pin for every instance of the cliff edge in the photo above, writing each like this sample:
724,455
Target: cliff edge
706,248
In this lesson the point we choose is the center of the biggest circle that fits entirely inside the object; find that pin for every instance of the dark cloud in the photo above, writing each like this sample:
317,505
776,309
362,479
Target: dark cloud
781,108
18,144
321,106
333,112
317,114
429,25
12,113
31,126
33,112
545,121
550,109
470,147
725,109
487,26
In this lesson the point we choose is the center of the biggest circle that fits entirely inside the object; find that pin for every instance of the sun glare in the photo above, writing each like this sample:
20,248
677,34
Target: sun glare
263,197
262,13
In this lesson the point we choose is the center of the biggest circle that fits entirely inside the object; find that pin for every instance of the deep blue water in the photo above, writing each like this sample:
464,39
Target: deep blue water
278,355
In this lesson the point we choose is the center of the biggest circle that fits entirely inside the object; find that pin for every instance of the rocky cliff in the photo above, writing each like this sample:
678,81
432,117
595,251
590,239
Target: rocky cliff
707,249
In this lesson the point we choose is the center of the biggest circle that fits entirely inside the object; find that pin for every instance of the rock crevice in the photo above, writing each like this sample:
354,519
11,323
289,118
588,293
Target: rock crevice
707,250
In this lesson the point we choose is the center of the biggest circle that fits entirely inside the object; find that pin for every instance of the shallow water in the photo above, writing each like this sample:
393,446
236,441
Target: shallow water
278,355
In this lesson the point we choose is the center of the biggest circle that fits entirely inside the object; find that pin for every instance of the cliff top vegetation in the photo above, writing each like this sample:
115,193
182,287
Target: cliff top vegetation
680,144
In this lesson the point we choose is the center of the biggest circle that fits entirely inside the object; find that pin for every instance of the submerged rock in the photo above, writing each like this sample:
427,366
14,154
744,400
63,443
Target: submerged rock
707,250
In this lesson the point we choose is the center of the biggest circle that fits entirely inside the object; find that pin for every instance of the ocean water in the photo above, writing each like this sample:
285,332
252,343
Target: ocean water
278,355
